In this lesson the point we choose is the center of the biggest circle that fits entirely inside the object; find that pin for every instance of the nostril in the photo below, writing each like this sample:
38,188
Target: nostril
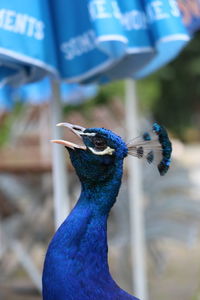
76,128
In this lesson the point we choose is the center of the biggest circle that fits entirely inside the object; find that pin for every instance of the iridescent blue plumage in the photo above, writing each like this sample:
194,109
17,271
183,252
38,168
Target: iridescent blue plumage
146,136
163,166
76,264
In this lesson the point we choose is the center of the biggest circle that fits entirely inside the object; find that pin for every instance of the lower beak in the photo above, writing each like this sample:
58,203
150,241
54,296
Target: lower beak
76,130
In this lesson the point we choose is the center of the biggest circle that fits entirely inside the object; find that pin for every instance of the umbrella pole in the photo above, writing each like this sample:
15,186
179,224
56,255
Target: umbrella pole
139,276
60,178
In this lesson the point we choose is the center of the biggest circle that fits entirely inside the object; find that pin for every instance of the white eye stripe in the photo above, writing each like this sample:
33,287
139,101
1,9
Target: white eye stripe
108,151
88,133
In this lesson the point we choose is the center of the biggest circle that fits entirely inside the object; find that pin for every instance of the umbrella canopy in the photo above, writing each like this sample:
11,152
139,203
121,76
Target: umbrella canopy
26,34
168,32
109,33
40,92
111,40
6,101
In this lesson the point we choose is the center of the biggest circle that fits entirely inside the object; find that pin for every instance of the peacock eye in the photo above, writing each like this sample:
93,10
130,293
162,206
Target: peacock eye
99,143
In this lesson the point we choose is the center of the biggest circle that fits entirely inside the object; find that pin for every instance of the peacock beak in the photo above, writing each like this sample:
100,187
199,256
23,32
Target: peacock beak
76,129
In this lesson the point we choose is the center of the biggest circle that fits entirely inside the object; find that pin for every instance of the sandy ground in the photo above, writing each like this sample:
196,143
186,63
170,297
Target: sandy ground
181,278
18,291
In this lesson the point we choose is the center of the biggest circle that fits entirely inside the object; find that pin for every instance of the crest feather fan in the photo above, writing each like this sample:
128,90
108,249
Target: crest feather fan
153,146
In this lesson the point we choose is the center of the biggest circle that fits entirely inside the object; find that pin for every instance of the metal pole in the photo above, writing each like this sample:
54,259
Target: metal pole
139,275
60,178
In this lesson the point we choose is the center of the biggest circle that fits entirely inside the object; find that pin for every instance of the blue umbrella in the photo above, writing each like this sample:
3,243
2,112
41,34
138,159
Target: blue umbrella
6,99
111,40
40,92
109,33
43,37
11,73
168,33
75,94
34,93
27,38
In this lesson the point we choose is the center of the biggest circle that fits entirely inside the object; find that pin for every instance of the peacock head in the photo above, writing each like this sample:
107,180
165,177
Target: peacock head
102,153
99,157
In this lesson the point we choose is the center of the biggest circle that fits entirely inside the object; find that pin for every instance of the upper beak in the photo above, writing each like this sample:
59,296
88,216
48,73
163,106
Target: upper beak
76,130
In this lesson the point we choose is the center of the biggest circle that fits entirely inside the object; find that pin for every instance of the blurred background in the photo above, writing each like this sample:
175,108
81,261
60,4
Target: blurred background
172,203
109,43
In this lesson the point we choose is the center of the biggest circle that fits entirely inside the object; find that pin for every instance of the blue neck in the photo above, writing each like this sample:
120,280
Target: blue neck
78,252
90,215
101,197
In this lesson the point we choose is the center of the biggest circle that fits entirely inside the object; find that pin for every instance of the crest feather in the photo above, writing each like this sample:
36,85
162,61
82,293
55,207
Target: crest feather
153,146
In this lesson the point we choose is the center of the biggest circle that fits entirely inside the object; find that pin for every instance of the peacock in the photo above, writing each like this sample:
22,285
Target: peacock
76,264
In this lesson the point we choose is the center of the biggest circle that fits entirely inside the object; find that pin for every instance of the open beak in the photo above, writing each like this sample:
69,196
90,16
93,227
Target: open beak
78,130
